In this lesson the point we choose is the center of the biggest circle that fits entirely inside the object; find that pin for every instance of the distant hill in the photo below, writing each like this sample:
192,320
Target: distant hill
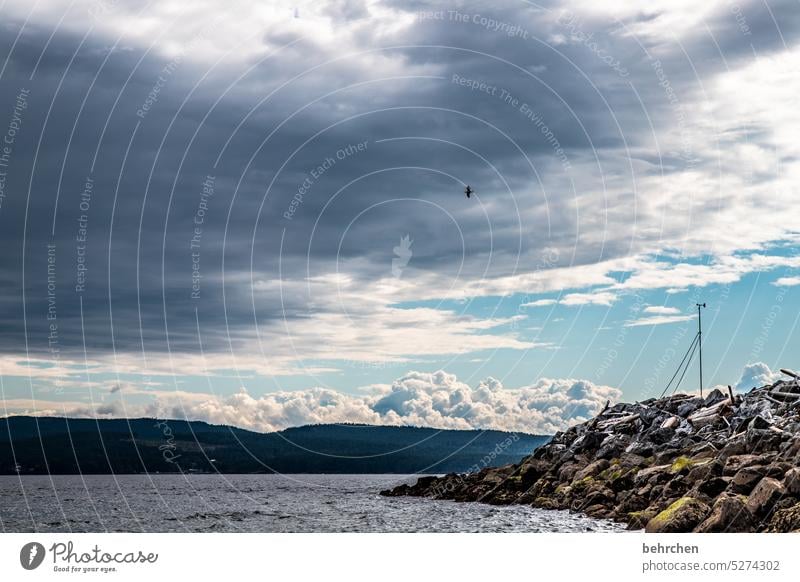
88,446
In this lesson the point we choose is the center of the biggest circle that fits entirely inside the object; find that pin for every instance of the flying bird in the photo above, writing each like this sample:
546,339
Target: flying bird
468,191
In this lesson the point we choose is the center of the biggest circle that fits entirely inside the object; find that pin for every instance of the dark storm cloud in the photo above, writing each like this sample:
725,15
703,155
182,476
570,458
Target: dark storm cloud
146,166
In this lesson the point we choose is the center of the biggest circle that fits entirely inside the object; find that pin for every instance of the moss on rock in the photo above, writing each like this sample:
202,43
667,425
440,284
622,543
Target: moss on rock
680,517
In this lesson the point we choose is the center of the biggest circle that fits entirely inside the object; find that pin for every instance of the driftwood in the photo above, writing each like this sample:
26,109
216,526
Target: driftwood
616,421
709,415
710,410
785,394
771,399
791,373
671,422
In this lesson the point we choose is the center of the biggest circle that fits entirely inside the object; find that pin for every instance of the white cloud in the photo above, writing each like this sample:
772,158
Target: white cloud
755,375
200,31
539,303
661,310
787,282
437,400
658,320
597,298
659,19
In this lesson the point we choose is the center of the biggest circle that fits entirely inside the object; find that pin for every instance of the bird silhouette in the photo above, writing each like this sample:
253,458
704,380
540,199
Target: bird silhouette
468,191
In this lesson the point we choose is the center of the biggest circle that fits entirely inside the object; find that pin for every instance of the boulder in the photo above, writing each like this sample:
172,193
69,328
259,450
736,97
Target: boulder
703,451
652,475
494,477
592,469
791,481
785,520
680,517
598,496
777,469
790,450
665,455
704,471
660,436
736,462
713,486
655,493
729,514
629,502
765,495
531,470
746,479
613,446
639,519
677,487
598,511
632,461
640,448
621,480
588,442
734,446
759,440
568,471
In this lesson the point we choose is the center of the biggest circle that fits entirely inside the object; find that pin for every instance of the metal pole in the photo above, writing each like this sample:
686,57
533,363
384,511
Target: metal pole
700,343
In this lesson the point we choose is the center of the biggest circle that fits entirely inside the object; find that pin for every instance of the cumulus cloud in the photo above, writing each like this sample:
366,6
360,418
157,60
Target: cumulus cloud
436,400
755,375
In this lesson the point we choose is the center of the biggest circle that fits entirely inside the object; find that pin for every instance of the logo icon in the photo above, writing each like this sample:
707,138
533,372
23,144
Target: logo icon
403,254
31,555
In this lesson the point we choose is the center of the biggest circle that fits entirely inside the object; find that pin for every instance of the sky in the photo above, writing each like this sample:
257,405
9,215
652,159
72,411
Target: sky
254,215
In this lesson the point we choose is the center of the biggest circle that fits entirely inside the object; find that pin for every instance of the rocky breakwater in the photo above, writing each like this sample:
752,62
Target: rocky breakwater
723,463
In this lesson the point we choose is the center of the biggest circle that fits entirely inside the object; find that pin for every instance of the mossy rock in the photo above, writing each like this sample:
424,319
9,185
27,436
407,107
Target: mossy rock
680,517
612,473
685,464
582,484
639,519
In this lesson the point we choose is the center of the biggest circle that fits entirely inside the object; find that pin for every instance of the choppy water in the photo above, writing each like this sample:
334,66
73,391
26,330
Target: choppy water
254,503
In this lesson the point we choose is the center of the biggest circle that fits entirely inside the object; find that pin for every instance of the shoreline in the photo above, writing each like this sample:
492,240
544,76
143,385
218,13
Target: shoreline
723,463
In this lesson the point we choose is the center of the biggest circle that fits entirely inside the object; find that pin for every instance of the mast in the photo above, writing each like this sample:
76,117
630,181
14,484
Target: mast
700,343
